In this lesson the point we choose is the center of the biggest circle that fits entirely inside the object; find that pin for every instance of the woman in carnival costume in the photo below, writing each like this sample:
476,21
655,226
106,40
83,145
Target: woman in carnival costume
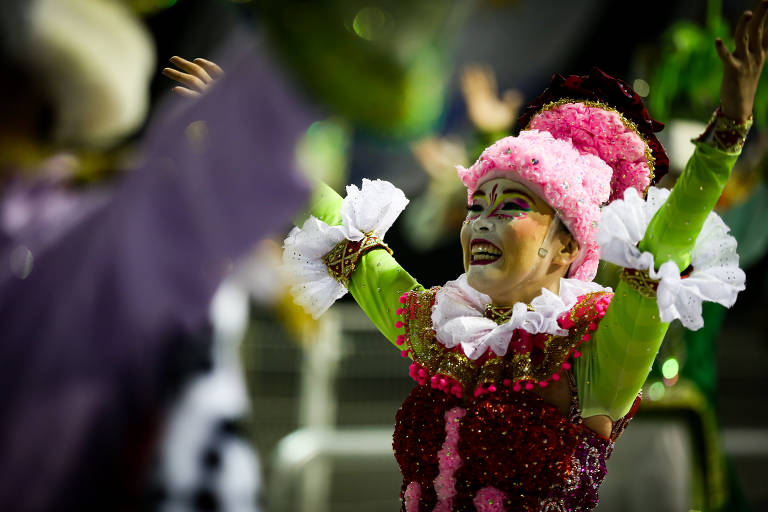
527,371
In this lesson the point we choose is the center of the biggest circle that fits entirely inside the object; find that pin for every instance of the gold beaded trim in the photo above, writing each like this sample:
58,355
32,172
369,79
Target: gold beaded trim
514,366
629,124
640,281
500,314
729,135
726,123
342,259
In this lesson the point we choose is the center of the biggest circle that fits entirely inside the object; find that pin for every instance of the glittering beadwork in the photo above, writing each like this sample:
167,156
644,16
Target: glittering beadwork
500,314
512,446
640,281
342,259
726,134
473,434
533,360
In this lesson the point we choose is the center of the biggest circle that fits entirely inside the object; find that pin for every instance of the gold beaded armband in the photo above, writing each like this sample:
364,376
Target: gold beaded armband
725,133
342,259
640,281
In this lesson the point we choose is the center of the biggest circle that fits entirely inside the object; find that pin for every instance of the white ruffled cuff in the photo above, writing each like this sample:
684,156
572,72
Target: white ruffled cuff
369,210
716,276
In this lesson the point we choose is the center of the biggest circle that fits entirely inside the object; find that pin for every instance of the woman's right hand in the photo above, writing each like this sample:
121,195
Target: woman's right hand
488,112
196,77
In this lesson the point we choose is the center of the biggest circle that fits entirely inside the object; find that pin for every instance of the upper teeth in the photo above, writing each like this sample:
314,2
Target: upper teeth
479,248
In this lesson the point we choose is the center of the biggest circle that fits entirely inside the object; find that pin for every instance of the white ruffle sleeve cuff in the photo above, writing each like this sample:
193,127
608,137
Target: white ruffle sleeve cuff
716,276
369,210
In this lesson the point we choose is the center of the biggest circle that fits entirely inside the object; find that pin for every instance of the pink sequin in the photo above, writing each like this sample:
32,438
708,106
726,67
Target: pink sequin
412,496
449,461
489,499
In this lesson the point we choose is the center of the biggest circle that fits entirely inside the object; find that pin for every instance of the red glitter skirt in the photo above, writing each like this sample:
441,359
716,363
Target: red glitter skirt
512,446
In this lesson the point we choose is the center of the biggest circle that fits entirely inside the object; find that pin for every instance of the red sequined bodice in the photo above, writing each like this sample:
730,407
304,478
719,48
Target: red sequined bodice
468,438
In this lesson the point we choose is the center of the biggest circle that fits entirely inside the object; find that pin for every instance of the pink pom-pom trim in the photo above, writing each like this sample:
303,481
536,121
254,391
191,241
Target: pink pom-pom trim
447,385
417,373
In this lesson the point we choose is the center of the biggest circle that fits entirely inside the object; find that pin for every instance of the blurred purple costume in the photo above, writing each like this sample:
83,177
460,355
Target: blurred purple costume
107,325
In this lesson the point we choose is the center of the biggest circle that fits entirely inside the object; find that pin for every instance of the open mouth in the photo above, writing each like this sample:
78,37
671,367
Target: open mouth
483,252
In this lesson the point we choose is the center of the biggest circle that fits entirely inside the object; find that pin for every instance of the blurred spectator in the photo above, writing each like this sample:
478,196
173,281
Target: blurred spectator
106,319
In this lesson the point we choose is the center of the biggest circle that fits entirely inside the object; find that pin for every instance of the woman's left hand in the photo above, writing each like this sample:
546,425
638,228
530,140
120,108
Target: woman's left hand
198,76
742,67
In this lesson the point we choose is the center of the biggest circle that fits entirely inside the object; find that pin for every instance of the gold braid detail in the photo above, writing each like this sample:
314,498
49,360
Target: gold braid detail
640,281
342,259
724,133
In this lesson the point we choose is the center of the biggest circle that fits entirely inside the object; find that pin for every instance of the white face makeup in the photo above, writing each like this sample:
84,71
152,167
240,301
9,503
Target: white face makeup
505,227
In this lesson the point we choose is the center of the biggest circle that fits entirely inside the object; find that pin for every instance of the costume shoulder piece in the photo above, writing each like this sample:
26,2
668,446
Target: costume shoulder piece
518,347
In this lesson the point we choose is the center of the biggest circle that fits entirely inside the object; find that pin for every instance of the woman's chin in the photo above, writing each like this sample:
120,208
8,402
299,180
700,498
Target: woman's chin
483,278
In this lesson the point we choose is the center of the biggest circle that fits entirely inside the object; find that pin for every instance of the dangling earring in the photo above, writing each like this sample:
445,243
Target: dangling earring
551,229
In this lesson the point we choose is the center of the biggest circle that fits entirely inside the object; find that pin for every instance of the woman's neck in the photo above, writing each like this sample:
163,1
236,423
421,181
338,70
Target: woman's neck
527,293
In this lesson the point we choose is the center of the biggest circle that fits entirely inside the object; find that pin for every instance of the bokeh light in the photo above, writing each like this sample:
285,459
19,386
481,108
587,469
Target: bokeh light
670,368
21,262
641,87
656,391
371,23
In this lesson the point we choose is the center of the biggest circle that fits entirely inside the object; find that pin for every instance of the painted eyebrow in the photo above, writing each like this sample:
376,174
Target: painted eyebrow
515,191
480,194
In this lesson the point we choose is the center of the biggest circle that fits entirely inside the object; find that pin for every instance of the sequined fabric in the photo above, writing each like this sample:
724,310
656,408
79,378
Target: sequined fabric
342,259
512,441
533,360
726,134
515,450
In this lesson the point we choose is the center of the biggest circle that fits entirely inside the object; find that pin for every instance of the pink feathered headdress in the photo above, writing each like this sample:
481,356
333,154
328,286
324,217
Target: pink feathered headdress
577,154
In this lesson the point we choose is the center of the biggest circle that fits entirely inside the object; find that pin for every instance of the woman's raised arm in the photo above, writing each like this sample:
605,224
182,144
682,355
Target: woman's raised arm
615,366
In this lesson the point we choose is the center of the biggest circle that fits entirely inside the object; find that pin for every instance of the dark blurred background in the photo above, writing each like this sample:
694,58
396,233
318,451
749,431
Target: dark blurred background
399,91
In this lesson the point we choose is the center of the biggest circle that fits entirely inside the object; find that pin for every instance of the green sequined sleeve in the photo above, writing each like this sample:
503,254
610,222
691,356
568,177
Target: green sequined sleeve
615,364
378,280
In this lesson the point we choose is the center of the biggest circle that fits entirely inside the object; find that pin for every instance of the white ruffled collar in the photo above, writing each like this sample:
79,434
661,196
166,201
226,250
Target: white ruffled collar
458,315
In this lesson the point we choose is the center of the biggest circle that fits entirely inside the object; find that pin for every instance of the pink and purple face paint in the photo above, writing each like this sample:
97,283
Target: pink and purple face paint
510,204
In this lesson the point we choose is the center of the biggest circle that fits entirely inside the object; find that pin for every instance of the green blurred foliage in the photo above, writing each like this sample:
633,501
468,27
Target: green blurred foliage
685,79
380,64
